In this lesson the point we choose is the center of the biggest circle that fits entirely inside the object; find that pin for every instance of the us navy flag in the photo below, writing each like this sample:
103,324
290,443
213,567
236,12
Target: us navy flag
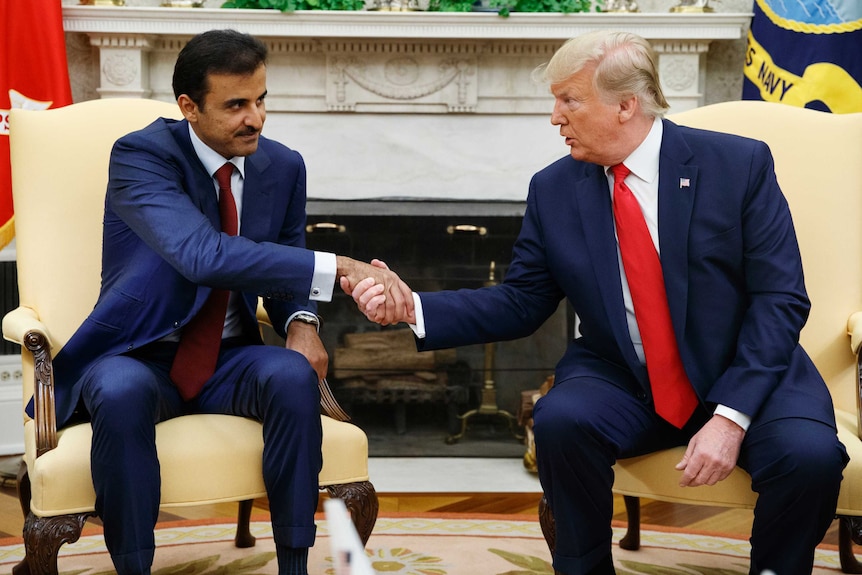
806,53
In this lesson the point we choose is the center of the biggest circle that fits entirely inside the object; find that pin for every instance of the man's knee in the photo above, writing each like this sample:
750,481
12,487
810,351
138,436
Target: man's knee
120,389
810,456
286,377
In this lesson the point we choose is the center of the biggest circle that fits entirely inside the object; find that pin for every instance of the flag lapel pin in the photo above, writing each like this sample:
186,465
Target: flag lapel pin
684,183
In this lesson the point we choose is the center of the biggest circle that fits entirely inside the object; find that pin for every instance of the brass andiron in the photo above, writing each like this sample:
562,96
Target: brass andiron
489,389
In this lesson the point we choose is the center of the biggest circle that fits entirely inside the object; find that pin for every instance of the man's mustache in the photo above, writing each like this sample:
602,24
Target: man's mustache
248,132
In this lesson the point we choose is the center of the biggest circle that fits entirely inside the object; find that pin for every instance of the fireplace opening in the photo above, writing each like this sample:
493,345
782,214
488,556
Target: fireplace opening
413,404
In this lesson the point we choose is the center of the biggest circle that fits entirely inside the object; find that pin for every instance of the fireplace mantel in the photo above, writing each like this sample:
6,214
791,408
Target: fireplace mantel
415,25
409,104
126,35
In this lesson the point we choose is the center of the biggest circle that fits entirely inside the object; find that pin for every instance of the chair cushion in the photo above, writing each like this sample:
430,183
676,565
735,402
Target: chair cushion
191,454
648,477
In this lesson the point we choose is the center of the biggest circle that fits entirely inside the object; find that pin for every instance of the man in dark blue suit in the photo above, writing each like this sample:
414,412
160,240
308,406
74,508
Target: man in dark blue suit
733,286
165,251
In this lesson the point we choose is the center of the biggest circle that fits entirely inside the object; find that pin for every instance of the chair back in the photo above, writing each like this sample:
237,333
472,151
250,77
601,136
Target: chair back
818,162
59,164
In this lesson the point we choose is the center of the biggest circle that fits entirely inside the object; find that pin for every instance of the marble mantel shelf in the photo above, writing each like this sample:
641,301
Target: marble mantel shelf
418,25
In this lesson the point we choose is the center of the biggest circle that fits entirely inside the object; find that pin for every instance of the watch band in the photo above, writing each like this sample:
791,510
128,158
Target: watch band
306,317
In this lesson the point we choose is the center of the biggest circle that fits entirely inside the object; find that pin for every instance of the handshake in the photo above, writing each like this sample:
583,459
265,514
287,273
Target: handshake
378,291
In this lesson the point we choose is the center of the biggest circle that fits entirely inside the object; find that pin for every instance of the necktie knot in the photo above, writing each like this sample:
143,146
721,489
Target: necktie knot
620,172
223,175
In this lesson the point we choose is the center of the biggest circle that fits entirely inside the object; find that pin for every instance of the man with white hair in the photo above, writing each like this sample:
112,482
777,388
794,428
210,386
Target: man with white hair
676,249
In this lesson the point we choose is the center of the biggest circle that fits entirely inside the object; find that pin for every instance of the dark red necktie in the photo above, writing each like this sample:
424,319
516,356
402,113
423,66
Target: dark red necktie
674,397
199,345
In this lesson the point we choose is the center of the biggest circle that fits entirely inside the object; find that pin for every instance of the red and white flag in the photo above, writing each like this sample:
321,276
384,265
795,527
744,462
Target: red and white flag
33,75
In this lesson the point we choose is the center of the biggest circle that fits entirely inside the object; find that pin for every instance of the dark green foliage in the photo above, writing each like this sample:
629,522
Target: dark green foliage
292,5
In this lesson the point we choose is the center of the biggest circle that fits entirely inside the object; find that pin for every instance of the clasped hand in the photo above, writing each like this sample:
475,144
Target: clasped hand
378,291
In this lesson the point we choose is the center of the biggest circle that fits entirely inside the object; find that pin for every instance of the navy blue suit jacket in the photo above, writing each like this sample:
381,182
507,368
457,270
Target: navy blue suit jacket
731,264
163,251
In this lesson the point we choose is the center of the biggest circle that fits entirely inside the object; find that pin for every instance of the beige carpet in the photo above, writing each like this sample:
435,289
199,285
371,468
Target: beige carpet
418,544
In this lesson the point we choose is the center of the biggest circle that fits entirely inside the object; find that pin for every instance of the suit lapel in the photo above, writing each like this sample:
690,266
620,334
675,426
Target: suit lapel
676,193
202,191
596,213
256,198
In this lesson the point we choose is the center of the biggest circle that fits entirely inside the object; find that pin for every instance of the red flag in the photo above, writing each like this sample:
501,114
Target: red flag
33,75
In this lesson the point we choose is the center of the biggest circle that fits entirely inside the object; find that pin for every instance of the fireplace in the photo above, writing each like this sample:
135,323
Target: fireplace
433,246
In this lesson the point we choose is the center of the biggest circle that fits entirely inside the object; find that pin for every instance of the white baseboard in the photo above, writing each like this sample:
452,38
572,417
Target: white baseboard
11,388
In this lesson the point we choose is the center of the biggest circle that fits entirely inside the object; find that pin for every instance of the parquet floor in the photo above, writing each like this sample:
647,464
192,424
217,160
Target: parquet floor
699,518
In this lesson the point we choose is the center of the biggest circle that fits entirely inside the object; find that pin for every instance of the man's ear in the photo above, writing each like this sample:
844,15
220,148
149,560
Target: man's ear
628,108
188,108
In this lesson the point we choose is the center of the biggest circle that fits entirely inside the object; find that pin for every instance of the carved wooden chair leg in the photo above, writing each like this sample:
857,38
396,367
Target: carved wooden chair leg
23,568
849,531
632,539
43,537
549,527
361,500
244,538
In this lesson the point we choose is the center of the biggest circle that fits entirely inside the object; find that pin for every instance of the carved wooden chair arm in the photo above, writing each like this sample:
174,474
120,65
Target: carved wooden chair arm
854,330
22,326
44,413
328,403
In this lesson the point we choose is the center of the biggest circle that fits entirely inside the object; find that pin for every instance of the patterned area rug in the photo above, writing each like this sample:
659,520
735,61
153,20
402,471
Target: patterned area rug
418,544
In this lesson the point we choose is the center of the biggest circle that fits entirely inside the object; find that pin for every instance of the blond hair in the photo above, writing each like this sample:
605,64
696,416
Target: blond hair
625,66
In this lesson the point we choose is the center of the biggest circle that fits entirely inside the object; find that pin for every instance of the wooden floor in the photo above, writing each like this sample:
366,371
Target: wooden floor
699,518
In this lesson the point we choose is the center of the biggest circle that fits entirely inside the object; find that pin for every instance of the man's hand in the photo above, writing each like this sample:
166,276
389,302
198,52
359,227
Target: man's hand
303,338
378,291
712,453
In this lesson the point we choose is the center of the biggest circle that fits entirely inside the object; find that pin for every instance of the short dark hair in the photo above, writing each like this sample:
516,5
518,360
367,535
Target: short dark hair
215,52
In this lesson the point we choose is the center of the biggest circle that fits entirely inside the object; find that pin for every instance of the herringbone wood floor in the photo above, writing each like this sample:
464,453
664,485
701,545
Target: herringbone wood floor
698,518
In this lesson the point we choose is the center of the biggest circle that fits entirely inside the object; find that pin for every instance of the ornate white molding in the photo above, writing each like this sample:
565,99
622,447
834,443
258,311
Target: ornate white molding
423,62
400,104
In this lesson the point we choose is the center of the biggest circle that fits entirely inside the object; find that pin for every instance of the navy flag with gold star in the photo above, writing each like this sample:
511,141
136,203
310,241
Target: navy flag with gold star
806,53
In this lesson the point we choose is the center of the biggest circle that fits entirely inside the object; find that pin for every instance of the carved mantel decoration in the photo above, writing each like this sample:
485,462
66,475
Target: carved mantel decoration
398,99
440,62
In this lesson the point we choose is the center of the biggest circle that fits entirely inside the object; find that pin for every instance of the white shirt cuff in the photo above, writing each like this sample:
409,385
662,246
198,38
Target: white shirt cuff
323,279
419,327
737,417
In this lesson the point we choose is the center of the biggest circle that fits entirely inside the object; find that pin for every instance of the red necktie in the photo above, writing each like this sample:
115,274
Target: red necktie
197,353
673,394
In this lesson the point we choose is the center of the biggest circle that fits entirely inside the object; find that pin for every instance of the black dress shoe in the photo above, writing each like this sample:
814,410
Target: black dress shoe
604,567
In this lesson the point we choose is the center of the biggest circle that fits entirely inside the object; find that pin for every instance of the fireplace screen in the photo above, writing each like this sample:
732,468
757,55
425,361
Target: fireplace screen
455,402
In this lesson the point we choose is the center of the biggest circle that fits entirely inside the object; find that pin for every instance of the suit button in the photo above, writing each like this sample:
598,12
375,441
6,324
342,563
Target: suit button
642,395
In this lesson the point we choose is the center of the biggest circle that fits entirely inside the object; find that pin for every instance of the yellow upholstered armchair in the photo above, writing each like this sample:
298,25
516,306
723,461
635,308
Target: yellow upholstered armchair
59,175
818,161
